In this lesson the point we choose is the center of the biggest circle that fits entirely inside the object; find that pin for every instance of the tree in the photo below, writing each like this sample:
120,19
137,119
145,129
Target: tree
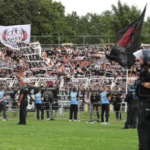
46,17
122,16
145,32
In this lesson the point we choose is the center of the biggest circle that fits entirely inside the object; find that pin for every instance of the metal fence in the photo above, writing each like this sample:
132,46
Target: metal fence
81,39
62,111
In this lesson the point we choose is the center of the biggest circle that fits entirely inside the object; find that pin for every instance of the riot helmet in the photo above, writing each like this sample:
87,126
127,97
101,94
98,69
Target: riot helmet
146,53
143,54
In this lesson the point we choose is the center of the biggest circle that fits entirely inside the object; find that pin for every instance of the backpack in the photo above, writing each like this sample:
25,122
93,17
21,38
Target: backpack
48,96
94,97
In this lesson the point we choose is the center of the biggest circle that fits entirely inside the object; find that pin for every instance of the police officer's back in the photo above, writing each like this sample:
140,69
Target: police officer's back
48,95
143,92
48,99
116,101
94,97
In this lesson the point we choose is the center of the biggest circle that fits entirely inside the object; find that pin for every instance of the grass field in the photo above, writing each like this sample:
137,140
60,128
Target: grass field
61,134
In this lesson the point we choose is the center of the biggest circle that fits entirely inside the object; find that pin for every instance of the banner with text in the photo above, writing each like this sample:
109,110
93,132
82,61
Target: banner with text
11,35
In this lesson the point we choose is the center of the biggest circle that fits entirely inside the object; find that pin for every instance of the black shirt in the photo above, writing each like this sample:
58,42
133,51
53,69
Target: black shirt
145,77
25,92
116,99
131,98
94,97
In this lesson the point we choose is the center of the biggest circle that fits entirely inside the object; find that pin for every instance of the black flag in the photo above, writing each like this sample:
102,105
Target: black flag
127,44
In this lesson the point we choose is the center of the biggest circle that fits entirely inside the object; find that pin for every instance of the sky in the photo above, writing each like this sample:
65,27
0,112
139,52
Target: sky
82,7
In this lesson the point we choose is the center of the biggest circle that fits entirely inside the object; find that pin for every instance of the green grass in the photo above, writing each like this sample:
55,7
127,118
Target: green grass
61,134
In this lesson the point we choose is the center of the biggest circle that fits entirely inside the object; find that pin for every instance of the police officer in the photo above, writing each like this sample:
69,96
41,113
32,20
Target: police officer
22,103
116,100
143,93
48,99
94,103
132,111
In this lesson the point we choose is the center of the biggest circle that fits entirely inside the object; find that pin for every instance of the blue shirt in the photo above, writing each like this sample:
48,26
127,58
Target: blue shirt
6,100
104,99
73,96
38,99
2,94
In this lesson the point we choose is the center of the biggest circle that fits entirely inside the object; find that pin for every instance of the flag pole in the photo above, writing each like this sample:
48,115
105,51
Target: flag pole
127,80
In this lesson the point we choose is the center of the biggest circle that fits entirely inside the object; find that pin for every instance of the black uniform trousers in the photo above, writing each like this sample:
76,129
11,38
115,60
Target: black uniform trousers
105,110
94,105
49,109
73,109
132,116
23,113
143,126
117,111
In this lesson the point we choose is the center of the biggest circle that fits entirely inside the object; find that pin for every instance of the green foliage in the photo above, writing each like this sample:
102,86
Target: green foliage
146,31
47,18
123,15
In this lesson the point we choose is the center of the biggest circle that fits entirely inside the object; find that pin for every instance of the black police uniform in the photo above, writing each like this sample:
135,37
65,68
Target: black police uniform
23,106
48,99
94,104
132,111
144,111
116,100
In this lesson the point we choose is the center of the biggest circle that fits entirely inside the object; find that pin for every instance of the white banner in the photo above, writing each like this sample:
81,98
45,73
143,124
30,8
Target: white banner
37,47
10,35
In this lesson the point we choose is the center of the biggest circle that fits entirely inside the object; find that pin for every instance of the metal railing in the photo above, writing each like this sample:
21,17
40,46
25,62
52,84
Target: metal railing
81,39
62,111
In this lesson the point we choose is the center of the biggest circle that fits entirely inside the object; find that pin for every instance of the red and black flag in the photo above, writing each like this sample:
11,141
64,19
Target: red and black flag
127,44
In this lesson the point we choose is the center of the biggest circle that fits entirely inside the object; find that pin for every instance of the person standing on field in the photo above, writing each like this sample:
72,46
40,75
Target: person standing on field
74,97
105,98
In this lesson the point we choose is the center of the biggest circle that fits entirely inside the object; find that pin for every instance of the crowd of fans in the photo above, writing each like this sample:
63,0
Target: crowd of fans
67,62
81,67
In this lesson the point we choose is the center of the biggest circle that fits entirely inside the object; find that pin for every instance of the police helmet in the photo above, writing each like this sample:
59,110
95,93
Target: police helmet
143,54
146,54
